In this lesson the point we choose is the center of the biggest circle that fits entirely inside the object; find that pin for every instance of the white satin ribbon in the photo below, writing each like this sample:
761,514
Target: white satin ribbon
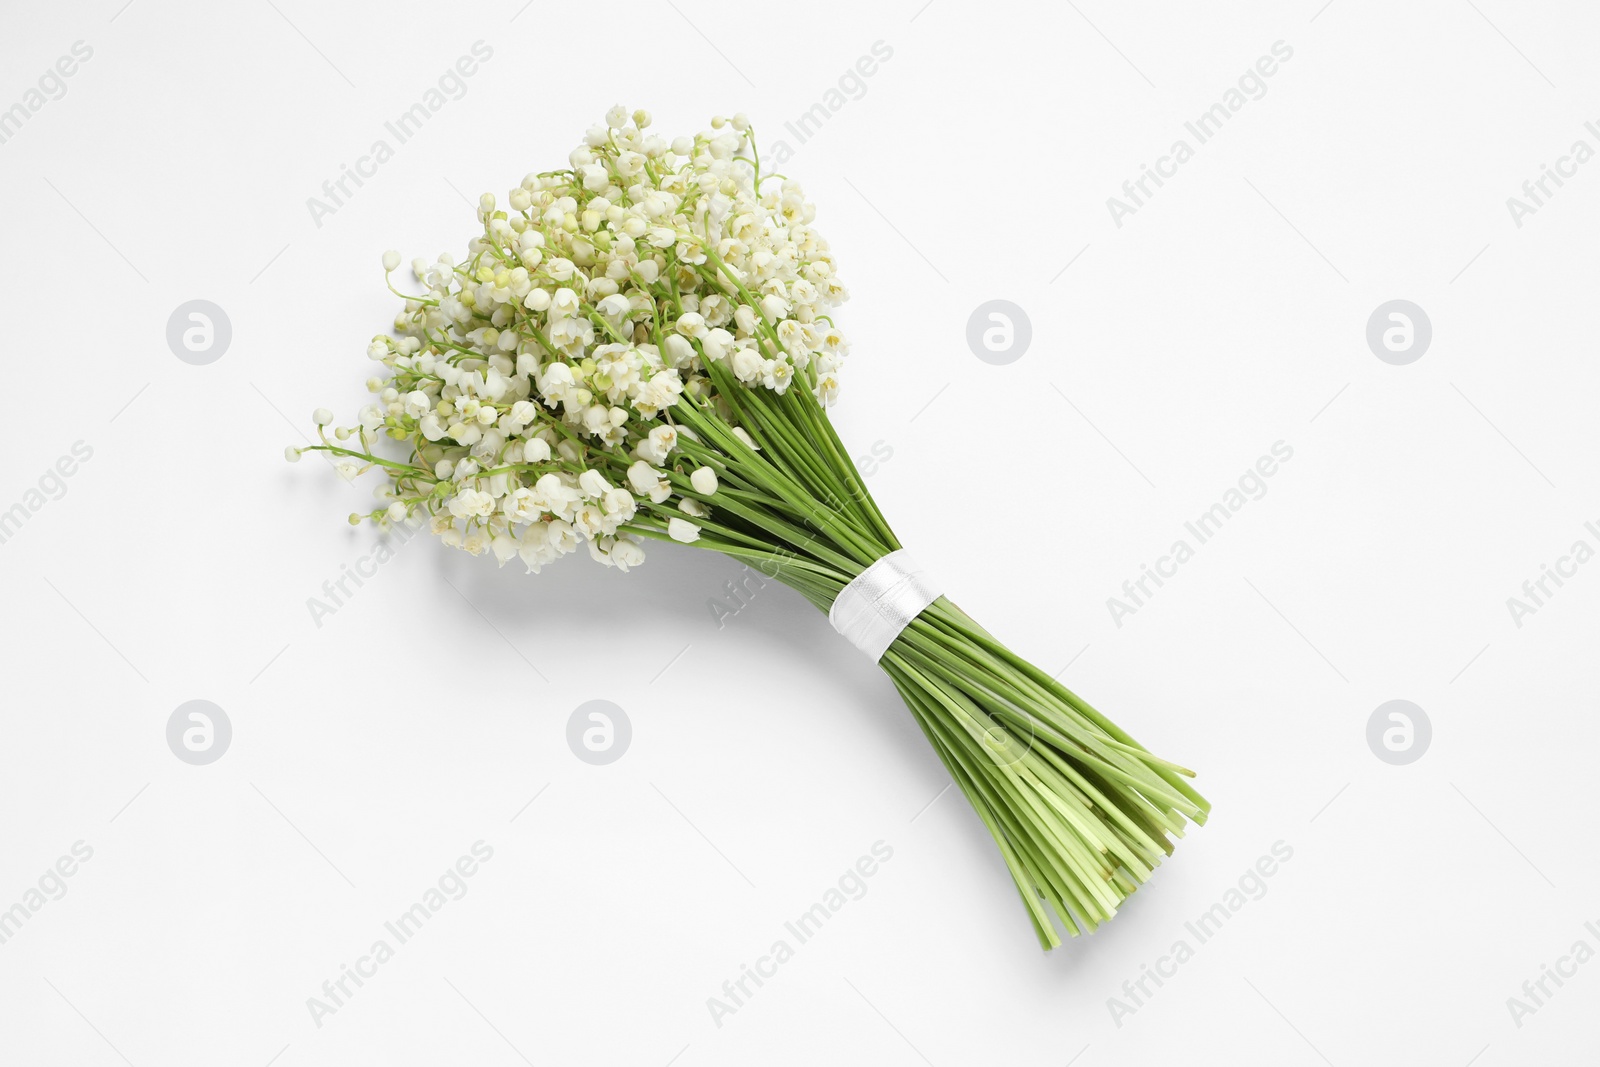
881,601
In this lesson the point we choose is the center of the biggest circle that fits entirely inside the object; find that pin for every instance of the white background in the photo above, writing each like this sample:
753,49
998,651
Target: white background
1227,314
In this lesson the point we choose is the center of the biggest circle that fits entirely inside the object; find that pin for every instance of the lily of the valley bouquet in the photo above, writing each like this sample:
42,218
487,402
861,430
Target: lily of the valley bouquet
639,347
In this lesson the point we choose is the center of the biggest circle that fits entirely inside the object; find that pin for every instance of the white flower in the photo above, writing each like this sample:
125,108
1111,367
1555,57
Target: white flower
682,530
523,412
630,164
774,307
643,477
704,481
564,303
590,520
776,375
471,503
691,324
593,483
504,546
747,364
556,384
561,537
620,504
522,505
534,548
661,391
828,388
678,350
597,419
555,495
716,343
625,554
661,441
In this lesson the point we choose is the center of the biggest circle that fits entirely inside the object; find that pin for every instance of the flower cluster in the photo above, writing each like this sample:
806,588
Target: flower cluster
570,380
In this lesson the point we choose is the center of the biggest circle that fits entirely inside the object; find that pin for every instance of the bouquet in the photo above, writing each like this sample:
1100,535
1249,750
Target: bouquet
640,347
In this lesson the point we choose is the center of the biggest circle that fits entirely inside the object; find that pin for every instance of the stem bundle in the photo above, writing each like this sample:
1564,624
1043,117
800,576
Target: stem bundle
1080,811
